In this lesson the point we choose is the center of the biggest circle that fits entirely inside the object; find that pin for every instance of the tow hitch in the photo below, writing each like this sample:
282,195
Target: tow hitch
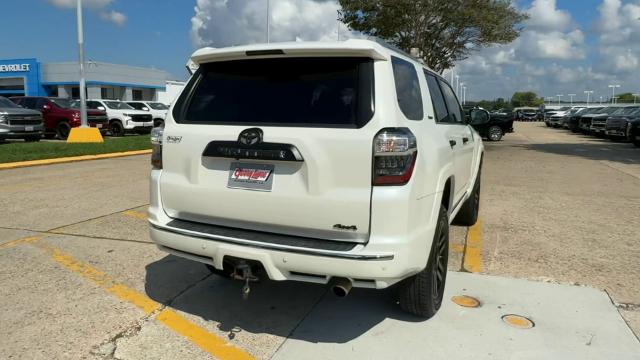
242,271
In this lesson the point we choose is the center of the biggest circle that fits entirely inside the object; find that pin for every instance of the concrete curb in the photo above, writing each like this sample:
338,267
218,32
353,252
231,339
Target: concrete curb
20,164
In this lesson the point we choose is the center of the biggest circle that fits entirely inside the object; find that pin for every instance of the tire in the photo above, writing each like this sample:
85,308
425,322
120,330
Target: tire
468,214
421,294
574,129
116,128
495,133
62,130
546,123
34,138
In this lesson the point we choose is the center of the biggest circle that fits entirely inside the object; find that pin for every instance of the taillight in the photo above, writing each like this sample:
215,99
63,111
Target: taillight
394,156
156,146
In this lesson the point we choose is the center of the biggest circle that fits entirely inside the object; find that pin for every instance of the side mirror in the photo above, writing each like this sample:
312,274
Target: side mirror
101,108
478,117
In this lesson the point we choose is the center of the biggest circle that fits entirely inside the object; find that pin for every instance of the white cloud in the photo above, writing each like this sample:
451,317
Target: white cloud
546,17
221,23
100,6
113,16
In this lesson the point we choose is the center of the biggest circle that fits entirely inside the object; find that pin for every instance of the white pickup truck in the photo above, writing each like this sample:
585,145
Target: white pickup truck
338,163
122,117
157,110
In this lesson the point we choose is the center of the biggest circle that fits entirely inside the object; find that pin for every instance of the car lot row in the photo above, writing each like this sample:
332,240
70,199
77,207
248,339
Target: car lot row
615,122
31,117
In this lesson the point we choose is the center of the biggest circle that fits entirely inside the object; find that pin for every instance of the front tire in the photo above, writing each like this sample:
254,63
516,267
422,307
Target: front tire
495,133
62,130
421,294
116,128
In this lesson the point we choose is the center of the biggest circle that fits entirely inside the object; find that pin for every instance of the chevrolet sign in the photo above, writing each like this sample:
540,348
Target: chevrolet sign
14,68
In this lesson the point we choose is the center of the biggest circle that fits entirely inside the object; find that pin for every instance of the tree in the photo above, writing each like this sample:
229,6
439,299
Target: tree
625,98
443,31
526,98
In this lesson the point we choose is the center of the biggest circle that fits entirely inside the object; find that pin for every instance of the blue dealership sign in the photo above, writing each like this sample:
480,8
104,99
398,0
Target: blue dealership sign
26,69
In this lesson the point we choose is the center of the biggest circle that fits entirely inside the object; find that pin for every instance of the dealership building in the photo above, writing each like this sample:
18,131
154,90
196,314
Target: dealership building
29,77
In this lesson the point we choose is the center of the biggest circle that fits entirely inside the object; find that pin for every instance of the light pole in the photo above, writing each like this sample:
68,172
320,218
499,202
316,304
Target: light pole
268,22
559,96
460,93
635,98
588,92
464,95
613,91
457,84
600,100
571,96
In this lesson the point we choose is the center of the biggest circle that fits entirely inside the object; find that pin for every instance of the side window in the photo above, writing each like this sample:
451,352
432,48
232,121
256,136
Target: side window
439,105
29,103
407,89
137,106
455,113
93,105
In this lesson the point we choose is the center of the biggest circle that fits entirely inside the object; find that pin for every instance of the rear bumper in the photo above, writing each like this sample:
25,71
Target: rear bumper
380,263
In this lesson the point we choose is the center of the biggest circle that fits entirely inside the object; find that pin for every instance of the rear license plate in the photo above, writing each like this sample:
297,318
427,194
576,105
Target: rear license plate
251,176
28,128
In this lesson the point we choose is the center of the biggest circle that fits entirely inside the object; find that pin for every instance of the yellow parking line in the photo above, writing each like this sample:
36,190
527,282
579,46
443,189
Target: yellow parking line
473,249
20,241
136,214
20,164
212,344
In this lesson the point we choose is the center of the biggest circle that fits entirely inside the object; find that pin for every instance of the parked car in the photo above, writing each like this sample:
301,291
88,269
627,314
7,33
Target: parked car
633,131
558,118
549,113
318,163
598,123
19,123
122,117
495,128
584,124
527,115
573,122
61,114
157,110
617,126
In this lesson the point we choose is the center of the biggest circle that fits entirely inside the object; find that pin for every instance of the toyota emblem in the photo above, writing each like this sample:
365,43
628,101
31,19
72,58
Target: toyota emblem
250,136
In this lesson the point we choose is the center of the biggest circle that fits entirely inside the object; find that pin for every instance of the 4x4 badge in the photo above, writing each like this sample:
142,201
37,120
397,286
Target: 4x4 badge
345,227
174,139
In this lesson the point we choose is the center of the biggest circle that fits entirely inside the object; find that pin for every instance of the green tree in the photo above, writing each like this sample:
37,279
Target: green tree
526,98
443,31
625,98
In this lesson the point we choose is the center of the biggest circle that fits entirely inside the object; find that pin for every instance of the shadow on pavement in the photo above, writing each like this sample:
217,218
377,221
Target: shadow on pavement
273,307
600,149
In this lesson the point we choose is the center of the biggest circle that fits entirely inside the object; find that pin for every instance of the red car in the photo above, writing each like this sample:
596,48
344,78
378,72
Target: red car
60,114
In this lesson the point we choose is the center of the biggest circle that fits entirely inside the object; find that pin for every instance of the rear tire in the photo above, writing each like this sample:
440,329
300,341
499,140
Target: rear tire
62,130
468,214
421,294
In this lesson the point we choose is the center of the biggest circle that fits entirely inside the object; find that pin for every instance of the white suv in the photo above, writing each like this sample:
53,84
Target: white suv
157,110
122,117
340,163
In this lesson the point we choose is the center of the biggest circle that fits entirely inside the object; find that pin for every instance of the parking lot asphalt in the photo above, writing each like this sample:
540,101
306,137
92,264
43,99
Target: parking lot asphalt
81,279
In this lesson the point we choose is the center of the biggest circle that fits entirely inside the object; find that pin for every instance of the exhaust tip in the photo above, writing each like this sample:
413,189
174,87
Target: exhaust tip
341,287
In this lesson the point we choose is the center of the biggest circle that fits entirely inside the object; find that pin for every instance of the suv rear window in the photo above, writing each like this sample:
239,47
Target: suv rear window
320,92
407,89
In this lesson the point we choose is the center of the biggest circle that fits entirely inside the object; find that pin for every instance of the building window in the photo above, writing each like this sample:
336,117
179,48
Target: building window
136,94
108,93
52,91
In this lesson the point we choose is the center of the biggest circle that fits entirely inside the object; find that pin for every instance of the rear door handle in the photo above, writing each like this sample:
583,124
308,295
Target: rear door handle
465,140
452,143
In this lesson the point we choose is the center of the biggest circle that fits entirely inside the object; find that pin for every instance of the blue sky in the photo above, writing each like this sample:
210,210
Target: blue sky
567,46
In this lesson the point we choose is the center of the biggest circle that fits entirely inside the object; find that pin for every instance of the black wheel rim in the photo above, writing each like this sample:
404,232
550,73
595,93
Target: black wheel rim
440,268
495,133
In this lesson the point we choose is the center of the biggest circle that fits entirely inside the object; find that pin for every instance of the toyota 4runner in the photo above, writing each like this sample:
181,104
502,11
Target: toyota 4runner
335,163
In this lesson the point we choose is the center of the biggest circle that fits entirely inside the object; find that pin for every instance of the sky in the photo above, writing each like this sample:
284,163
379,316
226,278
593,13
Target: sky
567,46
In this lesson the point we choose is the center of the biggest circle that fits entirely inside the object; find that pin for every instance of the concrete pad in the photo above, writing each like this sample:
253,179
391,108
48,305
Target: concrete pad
46,197
115,226
155,341
51,313
129,263
570,323
257,325
7,235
